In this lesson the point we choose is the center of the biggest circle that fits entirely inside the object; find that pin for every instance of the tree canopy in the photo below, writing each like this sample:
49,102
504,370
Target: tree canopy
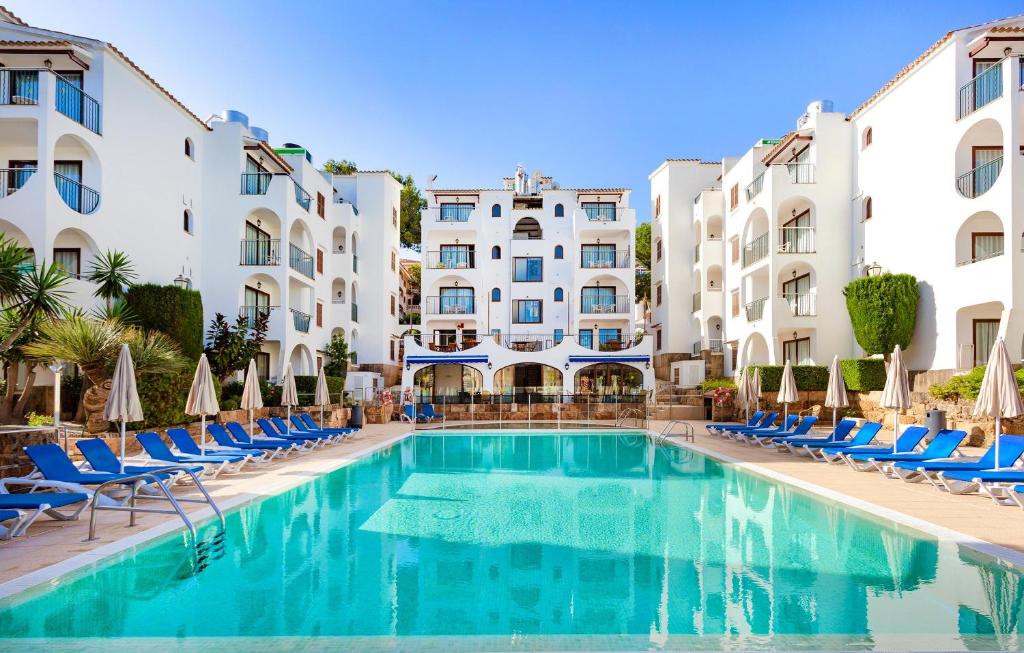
342,167
883,311
643,245
412,201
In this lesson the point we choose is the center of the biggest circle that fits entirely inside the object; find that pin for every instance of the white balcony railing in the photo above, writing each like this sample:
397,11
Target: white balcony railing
796,240
801,304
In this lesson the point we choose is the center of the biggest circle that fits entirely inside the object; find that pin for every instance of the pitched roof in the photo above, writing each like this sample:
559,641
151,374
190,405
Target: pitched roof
35,44
781,146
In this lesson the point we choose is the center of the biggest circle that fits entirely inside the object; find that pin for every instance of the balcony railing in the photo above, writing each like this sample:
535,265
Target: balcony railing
603,213
444,305
78,105
591,341
459,259
983,257
755,309
696,302
338,300
978,181
11,179
754,188
260,252
799,173
597,259
300,261
605,304
446,342
256,183
801,304
19,86
796,240
984,88
355,312
453,212
76,195
301,196
530,341
300,320
250,313
756,250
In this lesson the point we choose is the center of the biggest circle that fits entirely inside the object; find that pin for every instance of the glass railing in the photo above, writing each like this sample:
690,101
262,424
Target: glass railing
444,305
300,320
976,182
756,250
456,259
301,196
78,105
251,312
300,261
11,179
605,259
984,88
76,195
260,252
754,188
605,304
755,309
19,86
256,183
796,240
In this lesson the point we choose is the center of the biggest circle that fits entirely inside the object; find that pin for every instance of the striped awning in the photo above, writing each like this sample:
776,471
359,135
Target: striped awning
455,358
610,359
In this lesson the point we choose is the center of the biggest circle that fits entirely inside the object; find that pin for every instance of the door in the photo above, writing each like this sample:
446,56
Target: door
69,94
598,299
257,246
796,234
456,300
69,182
256,302
257,179
985,333
986,162
797,352
797,293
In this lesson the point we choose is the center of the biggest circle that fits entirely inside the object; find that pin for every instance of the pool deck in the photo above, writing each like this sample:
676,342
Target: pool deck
51,548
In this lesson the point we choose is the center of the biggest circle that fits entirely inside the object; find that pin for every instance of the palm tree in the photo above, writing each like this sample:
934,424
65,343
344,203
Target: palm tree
113,272
38,297
12,269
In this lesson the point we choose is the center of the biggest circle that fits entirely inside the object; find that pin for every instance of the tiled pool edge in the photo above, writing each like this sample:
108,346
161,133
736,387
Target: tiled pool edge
34,579
1000,553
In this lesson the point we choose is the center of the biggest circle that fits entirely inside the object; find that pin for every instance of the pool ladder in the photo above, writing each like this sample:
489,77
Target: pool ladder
669,431
638,416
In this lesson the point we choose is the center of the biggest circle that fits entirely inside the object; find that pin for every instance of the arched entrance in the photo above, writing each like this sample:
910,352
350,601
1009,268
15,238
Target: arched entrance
529,382
609,380
453,382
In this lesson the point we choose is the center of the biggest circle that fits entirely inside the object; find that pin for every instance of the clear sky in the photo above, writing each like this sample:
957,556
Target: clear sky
592,93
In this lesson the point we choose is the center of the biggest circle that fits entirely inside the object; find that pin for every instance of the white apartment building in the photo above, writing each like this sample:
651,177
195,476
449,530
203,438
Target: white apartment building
528,288
98,156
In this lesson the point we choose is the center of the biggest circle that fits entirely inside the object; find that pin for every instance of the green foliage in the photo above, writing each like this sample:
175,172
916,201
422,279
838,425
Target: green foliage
643,285
113,273
174,311
342,167
230,347
163,398
808,377
710,384
643,245
883,311
38,294
863,374
35,419
337,350
410,318
412,203
306,387
967,386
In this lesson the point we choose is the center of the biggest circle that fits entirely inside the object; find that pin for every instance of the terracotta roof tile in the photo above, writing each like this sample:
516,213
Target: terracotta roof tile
783,143
35,44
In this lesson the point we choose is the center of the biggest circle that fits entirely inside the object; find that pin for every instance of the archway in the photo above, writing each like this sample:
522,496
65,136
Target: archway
453,382
609,380
755,351
980,237
527,229
302,361
979,158
76,173
73,249
529,381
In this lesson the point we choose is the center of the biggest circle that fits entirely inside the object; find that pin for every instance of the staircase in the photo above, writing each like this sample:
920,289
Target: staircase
671,402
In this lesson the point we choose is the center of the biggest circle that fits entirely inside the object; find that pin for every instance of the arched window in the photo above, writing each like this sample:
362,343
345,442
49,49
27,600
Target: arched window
495,252
559,295
868,209
189,151
187,222
559,252
495,294
559,211
496,211
867,137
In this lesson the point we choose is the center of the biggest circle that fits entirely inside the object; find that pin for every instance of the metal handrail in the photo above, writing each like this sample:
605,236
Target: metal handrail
666,433
754,188
976,182
152,478
983,88
635,414
75,194
302,196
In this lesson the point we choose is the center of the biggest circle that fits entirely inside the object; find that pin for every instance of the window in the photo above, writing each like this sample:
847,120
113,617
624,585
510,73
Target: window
559,211
527,311
600,299
657,339
394,259
657,206
734,197
496,211
319,314
321,204
867,137
609,339
657,294
456,301
587,338
69,259
559,336
319,261
598,256
797,352
735,303
455,212
392,343
187,222
393,304
457,257
796,234
868,208
658,248
495,294
394,216
263,366
559,295
559,252
985,333
735,243
495,252
189,152
987,244
527,269
19,172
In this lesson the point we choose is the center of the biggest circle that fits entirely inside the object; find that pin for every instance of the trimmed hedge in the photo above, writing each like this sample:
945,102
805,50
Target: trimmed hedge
172,310
808,377
863,374
163,398
883,311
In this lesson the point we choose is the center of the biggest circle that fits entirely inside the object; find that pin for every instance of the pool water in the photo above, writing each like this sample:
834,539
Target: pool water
538,542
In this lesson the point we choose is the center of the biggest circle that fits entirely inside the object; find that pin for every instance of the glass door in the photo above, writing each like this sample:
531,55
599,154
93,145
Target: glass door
985,333
69,182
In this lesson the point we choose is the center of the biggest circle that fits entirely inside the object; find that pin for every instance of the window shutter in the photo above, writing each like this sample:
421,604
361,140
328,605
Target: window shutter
320,261
320,208
734,196
735,303
735,250
319,314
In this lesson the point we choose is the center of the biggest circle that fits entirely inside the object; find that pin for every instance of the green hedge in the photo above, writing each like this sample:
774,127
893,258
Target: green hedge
883,311
967,386
174,311
163,398
808,377
710,384
305,385
863,374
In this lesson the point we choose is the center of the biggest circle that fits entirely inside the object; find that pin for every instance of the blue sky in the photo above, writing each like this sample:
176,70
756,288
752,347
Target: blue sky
594,94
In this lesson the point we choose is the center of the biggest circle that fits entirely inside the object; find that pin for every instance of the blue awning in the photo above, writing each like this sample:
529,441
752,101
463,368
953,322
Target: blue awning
455,358
609,359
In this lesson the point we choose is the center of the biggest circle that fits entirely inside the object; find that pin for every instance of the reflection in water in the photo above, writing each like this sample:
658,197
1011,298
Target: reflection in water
547,535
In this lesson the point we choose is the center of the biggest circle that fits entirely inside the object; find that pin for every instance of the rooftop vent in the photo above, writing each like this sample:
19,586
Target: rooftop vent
230,115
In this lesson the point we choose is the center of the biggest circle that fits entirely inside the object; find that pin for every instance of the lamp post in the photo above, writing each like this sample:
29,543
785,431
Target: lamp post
57,367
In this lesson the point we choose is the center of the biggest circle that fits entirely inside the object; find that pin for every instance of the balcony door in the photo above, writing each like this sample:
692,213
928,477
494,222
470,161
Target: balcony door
985,333
18,172
263,366
456,300
257,246
257,178
796,234
598,256
256,302
69,259
456,257
797,352
598,299
797,293
69,97
69,182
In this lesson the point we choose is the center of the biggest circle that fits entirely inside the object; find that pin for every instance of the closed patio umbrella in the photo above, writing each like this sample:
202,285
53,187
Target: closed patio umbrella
835,395
123,403
755,386
202,398
743,392
999,396
289,395
321,397
787,390
252,398
896,394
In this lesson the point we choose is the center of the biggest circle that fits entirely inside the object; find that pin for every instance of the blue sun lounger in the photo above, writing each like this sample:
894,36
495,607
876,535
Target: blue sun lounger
768,440
754,419
99,456
333,435
26,508
766,422
864,436
238,432
428,412
157,449
941,447
781,429
221,436
412,416
994,483
308,423
281,431
54,465
839,434
909,439
1011,447
187,446
1016,494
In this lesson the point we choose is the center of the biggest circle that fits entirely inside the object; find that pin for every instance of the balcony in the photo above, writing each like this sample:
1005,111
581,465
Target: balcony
451,305
798,173
796,240
530,342
714,346
756,250
11,179
755,187
78,105
801,304
605,304
250,313
301,196
696,302
984,88
300,261
260,252
452,212
21,87
458,259
597,259
977,181
604,213
77,196
256,183
300,320
755,309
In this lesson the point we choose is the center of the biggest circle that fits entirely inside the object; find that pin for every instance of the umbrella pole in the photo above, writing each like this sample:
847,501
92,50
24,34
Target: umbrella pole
202,429
122,446
998,433
321,415
288,421
251,431
895,430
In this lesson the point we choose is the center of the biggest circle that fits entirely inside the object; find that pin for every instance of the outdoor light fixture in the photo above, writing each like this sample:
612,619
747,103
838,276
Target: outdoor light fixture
567,366
259,284
490,365
47,63
408,365
1006,51
647,365
182,281
874,270
794,335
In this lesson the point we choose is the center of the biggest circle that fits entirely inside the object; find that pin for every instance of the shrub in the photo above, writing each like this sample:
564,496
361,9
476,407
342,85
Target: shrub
863,374
883,311
306,387
710,384
808,377
163,398
967,386
35,419
174,311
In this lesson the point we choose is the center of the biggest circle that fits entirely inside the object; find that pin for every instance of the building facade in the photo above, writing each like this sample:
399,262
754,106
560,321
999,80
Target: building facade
98,156
528,288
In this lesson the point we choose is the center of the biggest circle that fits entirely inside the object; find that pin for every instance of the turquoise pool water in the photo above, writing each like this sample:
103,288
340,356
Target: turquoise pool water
533,542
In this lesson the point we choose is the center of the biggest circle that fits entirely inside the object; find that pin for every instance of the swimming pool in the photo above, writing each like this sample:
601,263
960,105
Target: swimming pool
537,542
